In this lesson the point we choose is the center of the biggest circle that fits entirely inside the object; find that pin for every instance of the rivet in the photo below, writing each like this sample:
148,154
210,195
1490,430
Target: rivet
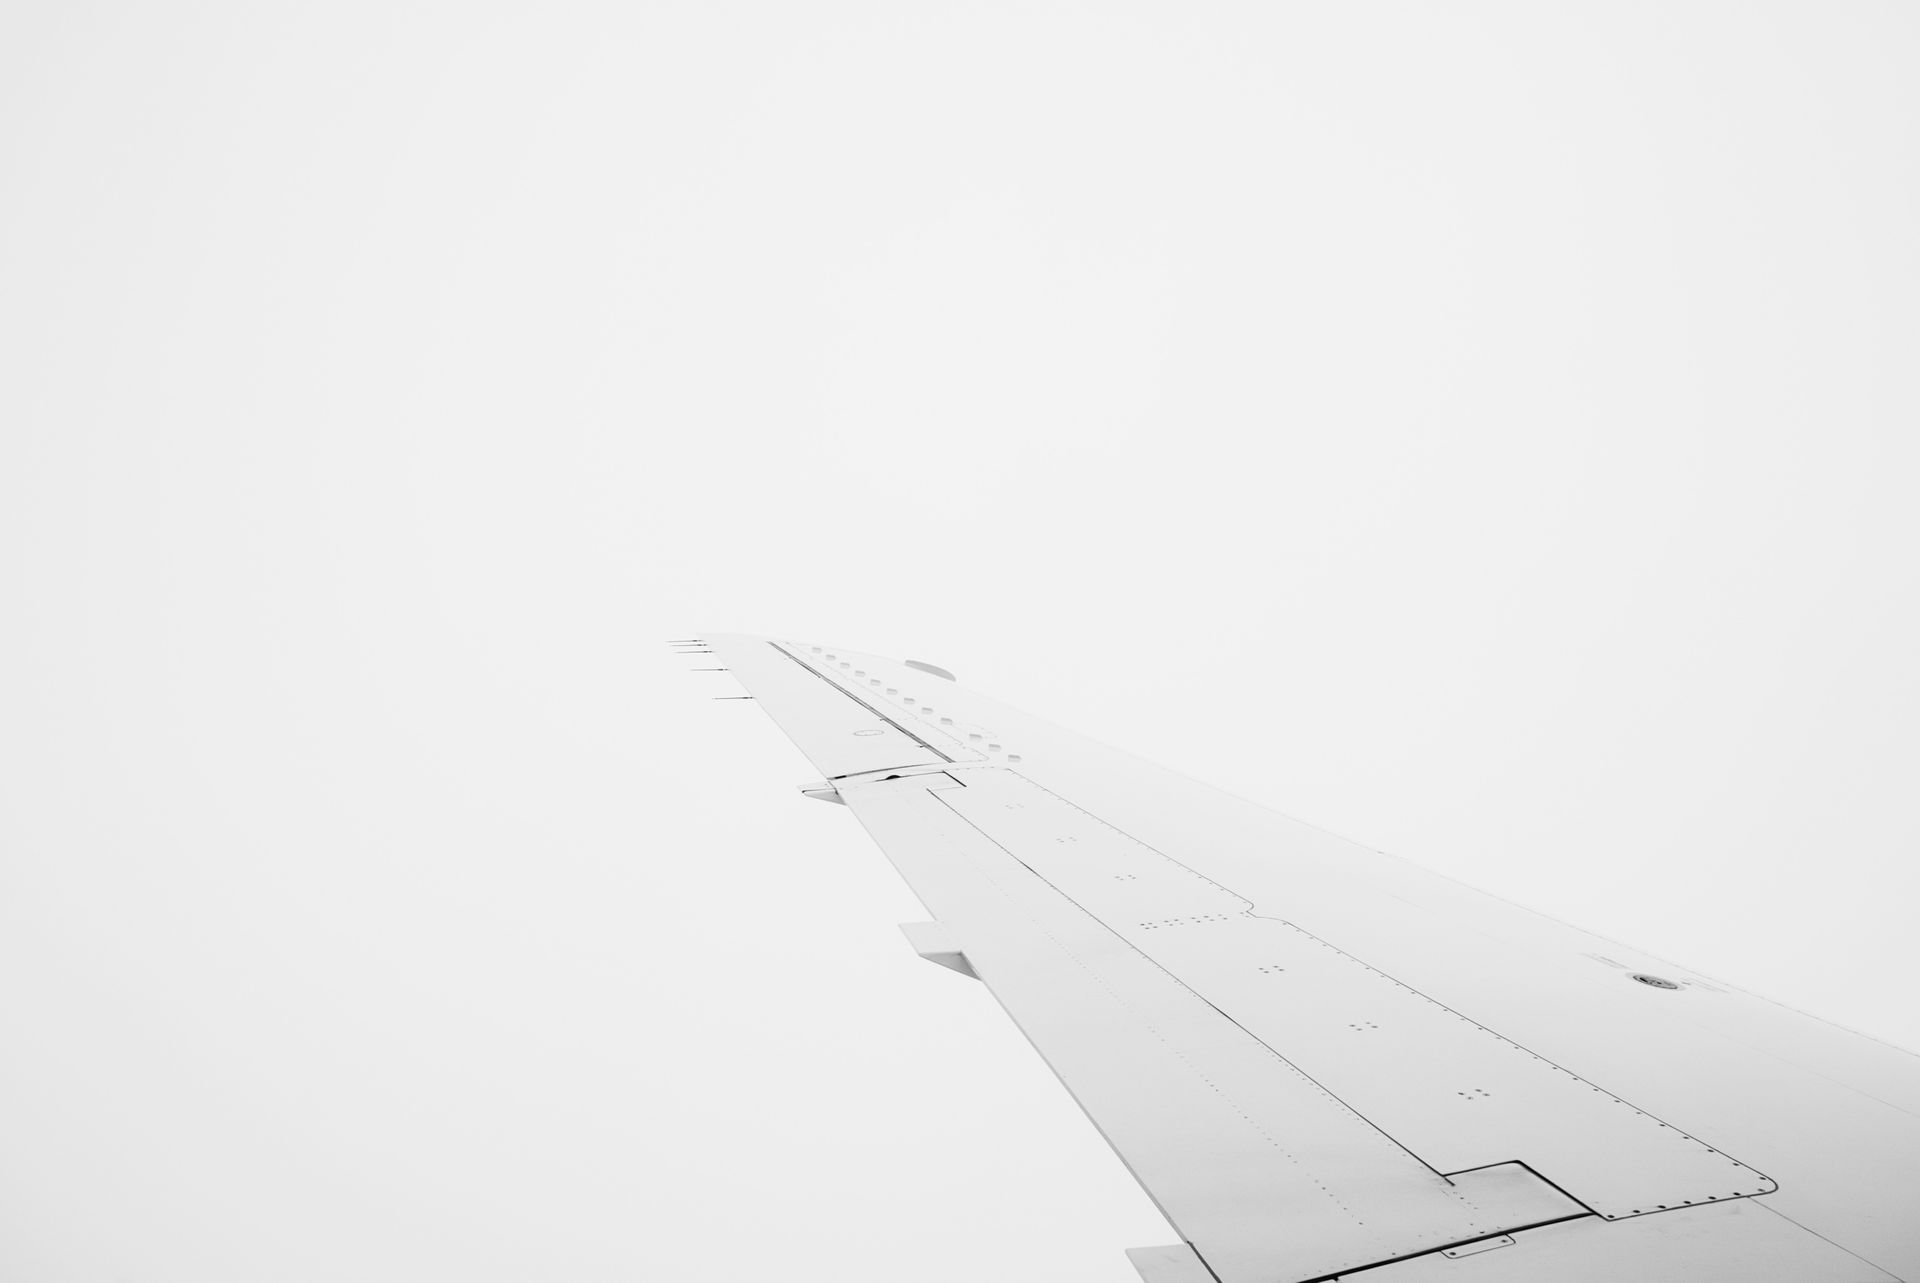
993,748
892,691
1013,757
946,721
975,736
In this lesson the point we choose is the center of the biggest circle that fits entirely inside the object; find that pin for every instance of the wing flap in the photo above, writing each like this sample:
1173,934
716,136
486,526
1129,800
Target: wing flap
1267,1174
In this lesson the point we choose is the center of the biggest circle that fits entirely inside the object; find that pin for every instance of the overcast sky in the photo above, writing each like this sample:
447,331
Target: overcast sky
1484,430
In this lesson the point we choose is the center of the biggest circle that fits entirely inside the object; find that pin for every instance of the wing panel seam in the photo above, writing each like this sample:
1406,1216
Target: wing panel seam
1251,912
861,702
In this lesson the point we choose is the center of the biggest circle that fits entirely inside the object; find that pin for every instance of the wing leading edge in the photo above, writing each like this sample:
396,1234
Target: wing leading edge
1320,1061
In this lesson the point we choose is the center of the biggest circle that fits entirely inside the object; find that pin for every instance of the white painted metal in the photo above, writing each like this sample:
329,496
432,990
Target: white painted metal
1255,1164
845,733
1478,1098
1319,1059
1737,1242
937,945
1173,1264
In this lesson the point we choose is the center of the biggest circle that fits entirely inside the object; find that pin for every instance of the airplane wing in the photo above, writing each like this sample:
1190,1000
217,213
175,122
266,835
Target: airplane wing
1324,1063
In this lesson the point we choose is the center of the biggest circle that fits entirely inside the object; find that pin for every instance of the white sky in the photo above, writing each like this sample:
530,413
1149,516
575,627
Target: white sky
1486,431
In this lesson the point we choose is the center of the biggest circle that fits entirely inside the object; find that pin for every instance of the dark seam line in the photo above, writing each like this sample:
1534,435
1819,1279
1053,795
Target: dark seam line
906,771
1395,1260
1824,1239
861,702
1521,1162
1203,1260
1410,989
1162,967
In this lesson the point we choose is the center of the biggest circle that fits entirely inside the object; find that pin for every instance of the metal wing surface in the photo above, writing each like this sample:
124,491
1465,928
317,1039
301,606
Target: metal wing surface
1322,1062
